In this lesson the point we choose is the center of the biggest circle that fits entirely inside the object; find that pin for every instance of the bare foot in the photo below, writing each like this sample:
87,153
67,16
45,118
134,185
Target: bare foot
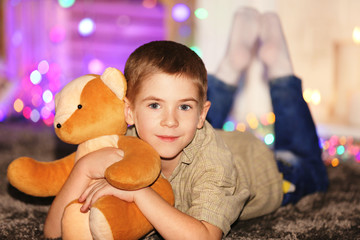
273,50
243,35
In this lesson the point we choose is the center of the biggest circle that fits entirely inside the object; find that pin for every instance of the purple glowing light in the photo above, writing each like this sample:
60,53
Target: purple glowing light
180,12
35,115
96,66
43,67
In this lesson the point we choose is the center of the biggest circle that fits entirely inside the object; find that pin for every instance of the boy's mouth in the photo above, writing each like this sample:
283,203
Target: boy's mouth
167,138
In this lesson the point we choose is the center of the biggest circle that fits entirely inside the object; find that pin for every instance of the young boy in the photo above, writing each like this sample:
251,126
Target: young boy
217,177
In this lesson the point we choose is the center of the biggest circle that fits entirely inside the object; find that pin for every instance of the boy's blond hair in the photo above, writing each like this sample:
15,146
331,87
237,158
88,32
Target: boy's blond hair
164,57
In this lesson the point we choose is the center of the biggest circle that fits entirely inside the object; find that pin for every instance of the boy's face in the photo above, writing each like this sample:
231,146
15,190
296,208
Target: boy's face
166,113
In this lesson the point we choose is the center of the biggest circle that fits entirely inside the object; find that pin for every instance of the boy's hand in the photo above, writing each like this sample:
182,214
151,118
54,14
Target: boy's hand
101,188
95,163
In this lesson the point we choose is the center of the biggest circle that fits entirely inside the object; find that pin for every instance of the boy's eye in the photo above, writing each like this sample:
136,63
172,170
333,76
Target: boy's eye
185,107
154,105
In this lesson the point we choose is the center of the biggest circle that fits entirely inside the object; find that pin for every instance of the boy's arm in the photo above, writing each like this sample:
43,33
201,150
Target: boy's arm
73,187
170,222
89,167
167,220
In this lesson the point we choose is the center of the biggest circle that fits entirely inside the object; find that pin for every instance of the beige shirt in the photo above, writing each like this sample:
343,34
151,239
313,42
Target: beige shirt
223,176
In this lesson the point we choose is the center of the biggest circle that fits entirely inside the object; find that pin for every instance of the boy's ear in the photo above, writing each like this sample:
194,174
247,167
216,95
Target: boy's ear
203,114
129,118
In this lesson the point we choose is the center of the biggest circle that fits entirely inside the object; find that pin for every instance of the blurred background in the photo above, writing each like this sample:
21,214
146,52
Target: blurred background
44,44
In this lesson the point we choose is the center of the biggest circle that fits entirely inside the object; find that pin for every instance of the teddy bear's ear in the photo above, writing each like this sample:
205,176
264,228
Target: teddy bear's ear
115,80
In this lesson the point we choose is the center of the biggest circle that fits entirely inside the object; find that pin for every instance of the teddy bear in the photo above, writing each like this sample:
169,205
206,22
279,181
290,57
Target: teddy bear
90,113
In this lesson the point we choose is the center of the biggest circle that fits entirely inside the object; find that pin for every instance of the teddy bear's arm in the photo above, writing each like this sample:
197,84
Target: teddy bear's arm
41,179
139,168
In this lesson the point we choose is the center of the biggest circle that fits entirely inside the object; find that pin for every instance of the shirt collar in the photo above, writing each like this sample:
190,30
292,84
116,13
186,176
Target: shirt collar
190,151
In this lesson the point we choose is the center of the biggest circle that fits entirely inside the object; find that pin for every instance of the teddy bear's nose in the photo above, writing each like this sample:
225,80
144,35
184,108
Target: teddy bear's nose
58,125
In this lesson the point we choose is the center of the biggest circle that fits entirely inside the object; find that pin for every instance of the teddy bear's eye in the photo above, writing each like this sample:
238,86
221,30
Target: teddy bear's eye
79,106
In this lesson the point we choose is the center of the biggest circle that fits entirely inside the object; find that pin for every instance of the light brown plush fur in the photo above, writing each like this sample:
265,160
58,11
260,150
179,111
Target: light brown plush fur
99,122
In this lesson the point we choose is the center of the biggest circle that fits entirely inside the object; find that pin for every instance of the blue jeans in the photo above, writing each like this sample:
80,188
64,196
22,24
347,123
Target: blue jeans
296,147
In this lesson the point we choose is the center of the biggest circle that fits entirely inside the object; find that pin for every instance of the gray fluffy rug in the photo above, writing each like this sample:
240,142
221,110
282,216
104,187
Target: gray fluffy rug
333,215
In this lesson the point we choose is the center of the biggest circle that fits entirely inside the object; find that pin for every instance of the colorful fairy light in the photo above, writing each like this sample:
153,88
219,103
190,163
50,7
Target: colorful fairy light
185,31
18,105
335,149
201,13
241,127
35,115
269,139
26,112
312,96
180,12
37,101
66,3
35,77
47,96
229,126
43,67
96,66
252,120
86,27
149,3
45,112
197,50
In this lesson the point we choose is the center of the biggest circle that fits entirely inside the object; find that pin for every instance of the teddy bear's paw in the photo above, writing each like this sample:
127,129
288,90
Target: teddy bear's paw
75,224
99,225
32,177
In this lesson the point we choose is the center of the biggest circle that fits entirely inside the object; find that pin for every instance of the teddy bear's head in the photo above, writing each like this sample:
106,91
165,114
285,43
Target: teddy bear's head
91,106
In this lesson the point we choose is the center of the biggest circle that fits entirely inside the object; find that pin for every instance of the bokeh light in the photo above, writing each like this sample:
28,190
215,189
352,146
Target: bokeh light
270,117
335,162
356,35
66,3
316,97
180,12
35,115
201,13
269,139
229,126
252,120
149,3
340,150
18,105
86,27
50,120
197,50
27,112
335,149
96,66
36,100
312,96
47,96
43,67
35,77
45,112
185,31
241,127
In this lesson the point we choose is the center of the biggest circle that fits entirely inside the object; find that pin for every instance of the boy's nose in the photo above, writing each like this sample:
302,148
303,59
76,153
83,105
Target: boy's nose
169,120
